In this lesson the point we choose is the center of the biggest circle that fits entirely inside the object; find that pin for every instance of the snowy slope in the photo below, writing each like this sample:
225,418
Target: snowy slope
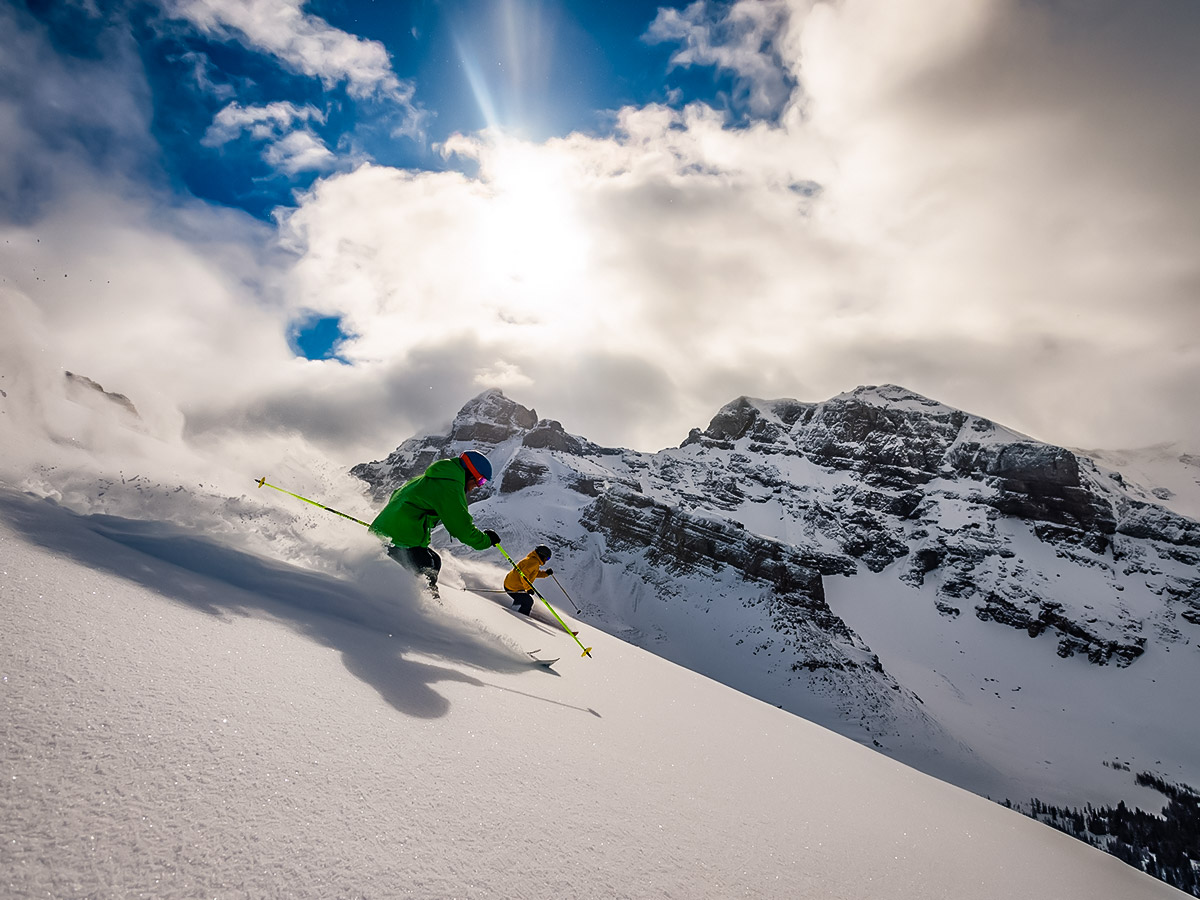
1166,474
185,718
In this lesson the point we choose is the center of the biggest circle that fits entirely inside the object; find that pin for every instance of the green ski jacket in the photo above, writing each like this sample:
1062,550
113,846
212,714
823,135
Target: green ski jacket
422,503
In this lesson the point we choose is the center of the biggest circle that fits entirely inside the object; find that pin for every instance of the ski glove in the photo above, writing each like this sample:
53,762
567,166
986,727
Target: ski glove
547,571
493,537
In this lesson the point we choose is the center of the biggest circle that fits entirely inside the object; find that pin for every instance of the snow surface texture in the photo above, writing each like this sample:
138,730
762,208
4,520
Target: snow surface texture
183,718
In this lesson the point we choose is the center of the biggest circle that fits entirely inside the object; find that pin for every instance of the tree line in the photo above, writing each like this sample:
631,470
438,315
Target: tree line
1166,846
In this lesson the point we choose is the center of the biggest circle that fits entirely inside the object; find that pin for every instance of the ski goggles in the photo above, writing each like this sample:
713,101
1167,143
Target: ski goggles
474,472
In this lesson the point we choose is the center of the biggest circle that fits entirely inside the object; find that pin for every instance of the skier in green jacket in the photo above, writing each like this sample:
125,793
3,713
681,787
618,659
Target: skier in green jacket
439,496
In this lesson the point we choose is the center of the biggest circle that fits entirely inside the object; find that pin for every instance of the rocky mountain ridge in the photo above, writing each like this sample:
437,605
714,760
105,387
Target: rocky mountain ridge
898,453
718,553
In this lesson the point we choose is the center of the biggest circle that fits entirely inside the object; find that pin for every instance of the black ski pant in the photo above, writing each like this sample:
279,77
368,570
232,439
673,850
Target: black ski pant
523,599
420,560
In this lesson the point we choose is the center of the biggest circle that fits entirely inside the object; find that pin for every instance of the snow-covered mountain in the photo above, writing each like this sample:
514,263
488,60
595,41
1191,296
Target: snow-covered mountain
1014,617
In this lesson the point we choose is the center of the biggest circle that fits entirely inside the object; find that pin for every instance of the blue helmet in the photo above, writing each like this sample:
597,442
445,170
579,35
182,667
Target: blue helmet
477,465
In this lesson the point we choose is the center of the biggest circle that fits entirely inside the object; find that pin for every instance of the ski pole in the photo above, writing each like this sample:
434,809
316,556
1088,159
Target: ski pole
262,482
565,594
587,651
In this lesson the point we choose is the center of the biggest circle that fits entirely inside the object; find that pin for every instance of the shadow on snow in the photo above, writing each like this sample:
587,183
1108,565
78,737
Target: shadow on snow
373,633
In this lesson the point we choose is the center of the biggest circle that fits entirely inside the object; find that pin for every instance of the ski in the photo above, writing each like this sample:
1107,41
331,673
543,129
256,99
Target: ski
529,618
545,663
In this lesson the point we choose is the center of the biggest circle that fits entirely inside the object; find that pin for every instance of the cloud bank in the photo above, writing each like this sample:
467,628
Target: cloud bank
994,204
986,203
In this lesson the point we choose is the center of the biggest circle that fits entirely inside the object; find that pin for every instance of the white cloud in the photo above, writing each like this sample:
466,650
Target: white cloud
304,42
743,41
299,151
263,122
290,151
202,73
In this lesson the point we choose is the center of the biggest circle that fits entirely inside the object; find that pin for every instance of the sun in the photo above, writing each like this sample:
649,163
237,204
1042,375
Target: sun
536,240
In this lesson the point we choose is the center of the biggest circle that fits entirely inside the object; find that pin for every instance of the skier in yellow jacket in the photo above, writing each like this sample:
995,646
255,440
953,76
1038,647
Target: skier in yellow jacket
518,583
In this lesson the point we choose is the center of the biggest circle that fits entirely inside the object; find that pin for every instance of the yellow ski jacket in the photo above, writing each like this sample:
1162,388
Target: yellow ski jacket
531,567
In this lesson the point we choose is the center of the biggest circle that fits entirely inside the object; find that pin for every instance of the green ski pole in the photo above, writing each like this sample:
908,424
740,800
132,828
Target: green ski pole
587,651
262,482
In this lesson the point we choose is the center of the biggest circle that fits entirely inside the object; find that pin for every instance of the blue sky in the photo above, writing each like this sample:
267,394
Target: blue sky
623,214
538,69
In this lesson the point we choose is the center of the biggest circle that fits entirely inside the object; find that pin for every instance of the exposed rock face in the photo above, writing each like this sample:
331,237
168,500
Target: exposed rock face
672,538
81,387
549,435
892,447
490,419
524,471
1149,522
